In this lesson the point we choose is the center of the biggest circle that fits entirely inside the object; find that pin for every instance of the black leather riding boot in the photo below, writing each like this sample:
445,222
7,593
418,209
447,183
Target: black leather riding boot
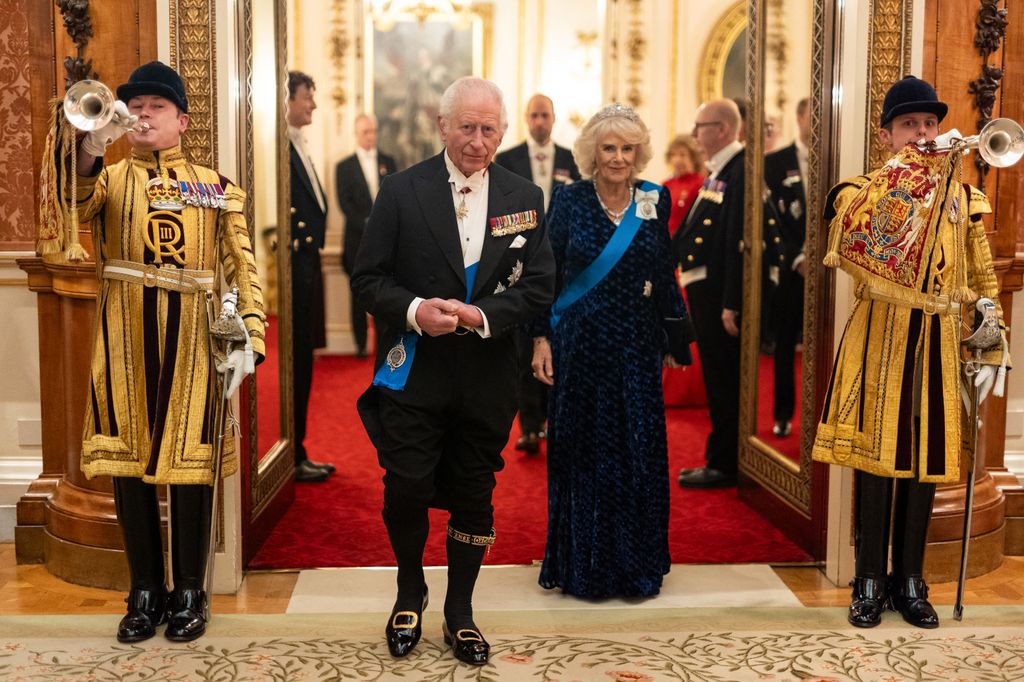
191,514
138,512
908,592
871,537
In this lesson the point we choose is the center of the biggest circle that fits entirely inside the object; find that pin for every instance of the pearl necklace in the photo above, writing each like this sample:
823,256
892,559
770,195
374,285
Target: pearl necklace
616,216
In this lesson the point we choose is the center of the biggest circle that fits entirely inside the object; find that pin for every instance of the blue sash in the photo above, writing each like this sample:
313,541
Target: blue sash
605,261
395,371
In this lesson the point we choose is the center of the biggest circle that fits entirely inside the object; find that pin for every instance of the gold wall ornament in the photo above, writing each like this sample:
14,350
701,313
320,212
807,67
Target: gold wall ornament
888,61
636,50
340,44
193,54
716,52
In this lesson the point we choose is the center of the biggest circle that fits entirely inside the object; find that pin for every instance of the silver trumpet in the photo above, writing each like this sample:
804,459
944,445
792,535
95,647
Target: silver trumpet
89,105
1000,143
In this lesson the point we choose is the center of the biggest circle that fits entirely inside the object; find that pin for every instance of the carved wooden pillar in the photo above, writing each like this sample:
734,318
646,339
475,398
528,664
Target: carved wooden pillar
967,72
64,520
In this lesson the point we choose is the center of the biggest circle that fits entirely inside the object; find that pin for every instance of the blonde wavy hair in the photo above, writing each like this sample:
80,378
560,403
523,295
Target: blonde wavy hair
614,119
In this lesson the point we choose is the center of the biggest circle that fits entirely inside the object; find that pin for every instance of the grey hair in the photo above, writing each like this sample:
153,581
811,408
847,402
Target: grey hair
632,131
470,85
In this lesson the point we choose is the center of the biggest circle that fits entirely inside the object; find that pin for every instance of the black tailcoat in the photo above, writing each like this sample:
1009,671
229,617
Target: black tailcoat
517,160
308,223
355,201
411,248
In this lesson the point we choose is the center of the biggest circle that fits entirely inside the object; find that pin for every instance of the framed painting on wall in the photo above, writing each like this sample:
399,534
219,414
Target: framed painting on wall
410,62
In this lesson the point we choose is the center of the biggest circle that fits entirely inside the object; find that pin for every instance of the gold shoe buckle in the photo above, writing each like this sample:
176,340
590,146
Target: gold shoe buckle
411,615
463,635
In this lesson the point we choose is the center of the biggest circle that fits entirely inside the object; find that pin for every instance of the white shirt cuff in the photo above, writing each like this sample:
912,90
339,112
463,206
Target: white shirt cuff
410,315
485,332
798,260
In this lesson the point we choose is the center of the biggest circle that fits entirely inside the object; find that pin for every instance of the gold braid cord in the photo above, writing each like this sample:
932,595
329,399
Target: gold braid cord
58,214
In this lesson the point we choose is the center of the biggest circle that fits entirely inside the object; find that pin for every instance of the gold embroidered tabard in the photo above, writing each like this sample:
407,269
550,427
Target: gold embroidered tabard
911,235
147,412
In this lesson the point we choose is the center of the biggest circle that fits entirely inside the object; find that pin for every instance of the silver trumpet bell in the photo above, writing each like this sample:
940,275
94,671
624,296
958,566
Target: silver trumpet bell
1000,142
89,105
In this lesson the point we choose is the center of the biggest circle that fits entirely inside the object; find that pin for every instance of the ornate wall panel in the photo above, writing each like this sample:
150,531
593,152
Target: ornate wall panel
193,53
17,204
888,62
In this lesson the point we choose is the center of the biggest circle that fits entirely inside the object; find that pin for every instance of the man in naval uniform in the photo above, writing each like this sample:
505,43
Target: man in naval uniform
164,232
455,258
785,174
892,411
309,222
707,247
357,178
548,166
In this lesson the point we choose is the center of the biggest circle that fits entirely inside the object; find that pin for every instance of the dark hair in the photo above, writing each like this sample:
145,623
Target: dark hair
801,106
297,78
741,104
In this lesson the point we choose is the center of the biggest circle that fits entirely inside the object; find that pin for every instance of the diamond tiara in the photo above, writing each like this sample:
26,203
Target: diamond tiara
617,109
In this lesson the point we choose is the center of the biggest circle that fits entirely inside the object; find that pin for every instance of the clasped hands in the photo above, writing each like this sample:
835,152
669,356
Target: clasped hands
437,316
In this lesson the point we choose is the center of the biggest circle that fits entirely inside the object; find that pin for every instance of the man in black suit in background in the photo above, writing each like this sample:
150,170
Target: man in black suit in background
309,218
455,258
548,166
707,247
357,178
785,173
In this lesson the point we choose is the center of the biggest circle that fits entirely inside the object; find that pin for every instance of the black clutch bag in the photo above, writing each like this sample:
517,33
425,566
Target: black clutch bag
677,334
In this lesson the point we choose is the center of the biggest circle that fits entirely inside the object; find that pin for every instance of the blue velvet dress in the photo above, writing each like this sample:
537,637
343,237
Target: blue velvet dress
608,479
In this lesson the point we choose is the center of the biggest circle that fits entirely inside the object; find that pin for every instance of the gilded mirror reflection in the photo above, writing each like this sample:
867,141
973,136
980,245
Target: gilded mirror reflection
787,120
266,110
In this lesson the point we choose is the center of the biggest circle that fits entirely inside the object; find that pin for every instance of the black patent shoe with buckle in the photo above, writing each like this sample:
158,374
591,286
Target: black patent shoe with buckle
146,610
468,645
909,597
404,629
867,602
186,619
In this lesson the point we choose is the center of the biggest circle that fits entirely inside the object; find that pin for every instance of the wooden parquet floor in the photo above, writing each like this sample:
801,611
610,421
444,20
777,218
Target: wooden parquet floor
31,589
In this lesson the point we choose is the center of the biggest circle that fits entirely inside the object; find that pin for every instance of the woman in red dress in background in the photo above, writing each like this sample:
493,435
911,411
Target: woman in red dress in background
683,386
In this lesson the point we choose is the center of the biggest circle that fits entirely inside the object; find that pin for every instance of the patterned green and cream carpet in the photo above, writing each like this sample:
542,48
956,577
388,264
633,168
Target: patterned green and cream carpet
610,645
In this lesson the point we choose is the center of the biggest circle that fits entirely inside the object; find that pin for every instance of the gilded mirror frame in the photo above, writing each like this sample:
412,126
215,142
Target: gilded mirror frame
723,36
269,471
798,486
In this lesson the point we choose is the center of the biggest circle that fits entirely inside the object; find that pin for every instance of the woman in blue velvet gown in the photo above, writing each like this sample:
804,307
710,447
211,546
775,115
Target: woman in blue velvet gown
608,478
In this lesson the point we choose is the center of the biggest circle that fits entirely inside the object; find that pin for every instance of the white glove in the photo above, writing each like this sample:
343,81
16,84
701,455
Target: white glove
236,366
96,142
229,303
984,380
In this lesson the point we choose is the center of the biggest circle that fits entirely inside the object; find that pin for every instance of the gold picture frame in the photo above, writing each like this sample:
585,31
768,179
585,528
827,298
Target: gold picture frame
407,66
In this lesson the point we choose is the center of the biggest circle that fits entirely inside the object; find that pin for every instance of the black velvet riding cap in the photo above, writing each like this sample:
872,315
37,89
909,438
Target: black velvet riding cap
155,78
911,95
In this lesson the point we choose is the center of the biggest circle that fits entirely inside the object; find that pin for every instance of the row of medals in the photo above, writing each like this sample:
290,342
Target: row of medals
168,195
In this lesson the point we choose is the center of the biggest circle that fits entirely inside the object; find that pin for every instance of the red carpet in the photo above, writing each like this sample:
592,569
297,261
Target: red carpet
338,523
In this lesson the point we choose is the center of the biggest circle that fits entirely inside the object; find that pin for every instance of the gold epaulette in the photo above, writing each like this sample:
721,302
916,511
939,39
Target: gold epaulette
978,203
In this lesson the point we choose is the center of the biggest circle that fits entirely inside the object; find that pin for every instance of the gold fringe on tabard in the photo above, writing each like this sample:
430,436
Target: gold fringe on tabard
58,212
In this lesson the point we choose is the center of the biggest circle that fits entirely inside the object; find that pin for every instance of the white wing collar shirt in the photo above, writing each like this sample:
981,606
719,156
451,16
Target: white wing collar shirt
542,164
469,198
371,169
299,140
